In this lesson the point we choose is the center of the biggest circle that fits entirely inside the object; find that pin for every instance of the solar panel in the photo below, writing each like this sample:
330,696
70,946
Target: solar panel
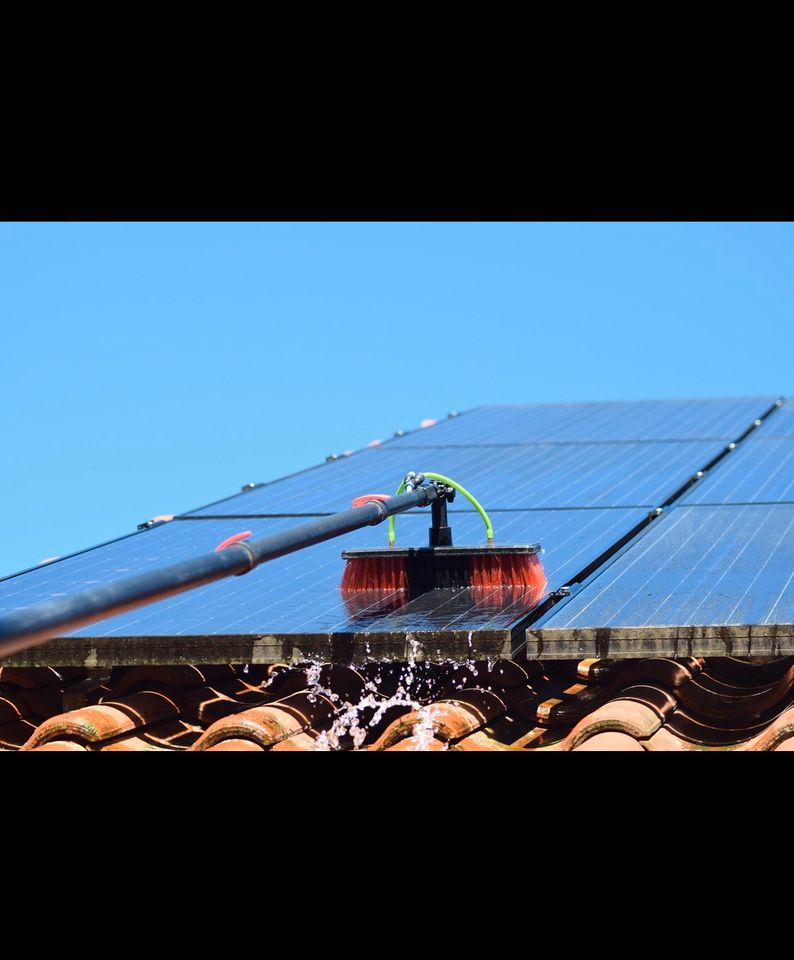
701,581
644,420
527,477
295,600
575,477
757,471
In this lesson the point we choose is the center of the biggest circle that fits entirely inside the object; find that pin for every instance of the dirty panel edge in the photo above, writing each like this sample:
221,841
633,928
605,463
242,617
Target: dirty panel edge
736,640
348,648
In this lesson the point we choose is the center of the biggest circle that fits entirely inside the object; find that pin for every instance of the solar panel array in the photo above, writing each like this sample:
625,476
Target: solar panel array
713,575
698,565
501,477
298,594
578,478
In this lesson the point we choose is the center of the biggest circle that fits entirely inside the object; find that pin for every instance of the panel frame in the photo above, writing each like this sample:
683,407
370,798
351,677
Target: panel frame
737,640
341,647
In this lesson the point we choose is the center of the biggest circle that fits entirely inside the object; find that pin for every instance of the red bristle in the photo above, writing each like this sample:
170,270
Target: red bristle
496,579
387,574
504,579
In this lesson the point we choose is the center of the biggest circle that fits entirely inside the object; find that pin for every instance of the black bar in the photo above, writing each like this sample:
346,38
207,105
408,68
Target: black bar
440,532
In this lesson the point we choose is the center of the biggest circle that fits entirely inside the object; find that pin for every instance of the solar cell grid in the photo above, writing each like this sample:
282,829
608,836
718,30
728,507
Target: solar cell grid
299,591
757,471
728,567
629,421
528,477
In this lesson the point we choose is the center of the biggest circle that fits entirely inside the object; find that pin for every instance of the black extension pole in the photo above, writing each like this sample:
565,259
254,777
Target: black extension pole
30,626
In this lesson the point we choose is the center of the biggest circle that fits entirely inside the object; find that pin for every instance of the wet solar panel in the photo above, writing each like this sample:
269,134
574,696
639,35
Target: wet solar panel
702,578
298,594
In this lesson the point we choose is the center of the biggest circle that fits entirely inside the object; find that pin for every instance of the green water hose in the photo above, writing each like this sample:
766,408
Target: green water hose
451,483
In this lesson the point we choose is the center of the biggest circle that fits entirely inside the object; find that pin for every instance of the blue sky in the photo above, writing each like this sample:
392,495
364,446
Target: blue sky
149,368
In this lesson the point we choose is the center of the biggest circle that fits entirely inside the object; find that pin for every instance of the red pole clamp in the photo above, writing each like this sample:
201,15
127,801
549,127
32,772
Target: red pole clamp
232,539
360,501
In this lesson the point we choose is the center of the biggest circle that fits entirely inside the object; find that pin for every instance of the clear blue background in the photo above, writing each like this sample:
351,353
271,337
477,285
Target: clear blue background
151,368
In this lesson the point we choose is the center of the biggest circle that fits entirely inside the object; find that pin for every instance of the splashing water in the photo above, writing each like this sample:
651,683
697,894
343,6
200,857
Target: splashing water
470,663
348,722
313,681
413,643
415,684
423,729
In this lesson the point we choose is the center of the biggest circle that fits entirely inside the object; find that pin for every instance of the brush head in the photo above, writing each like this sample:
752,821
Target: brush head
416,570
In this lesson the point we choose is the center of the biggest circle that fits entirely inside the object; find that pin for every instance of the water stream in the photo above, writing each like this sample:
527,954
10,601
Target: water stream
354,720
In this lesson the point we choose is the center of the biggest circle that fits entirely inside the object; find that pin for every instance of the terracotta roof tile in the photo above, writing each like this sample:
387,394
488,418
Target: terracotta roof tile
620,716
778,732
269,725
665,739
129,744
444,720
611,741
62,745
300,743
236,745
95,724
652,704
